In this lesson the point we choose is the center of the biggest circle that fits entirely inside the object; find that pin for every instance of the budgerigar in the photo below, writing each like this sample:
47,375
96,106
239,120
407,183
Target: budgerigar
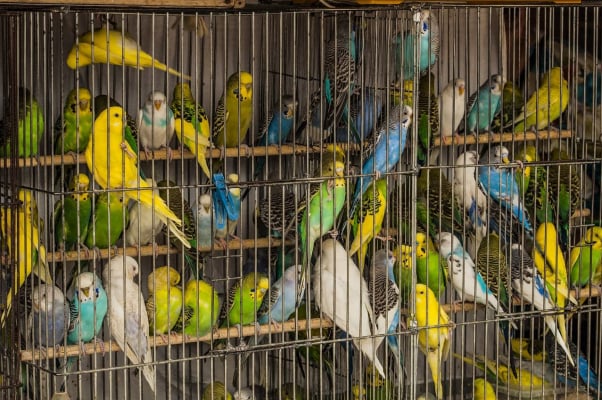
144,224
72,214
546,104
115,47
234,111
254,392
108,219
30,127
512,103
384,153
216,391
50,317
88,308
586,259
156,123
73,127
531,288
108,151
191,124
278,210
201,309
533,185
204,220
434,335
366,107
427,118
403,273
367,221
483,106
128,318
483,390
427,39
25,249
164,303
430,267
281,300
341,293
467,282
451,107
225,225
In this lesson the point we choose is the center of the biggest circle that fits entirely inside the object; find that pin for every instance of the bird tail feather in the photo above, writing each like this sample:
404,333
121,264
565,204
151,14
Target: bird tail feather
149,372
434,364
163,67
558,335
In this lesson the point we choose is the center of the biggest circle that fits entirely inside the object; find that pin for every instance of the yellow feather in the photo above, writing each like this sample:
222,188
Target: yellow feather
197,144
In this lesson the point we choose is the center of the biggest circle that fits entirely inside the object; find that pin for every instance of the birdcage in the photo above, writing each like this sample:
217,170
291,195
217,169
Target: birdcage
358,203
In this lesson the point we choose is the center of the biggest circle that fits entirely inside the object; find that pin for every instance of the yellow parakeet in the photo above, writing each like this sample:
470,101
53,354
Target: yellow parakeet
433,336
116,47
164,304
114,166
483,390
24,246
234,111
546,104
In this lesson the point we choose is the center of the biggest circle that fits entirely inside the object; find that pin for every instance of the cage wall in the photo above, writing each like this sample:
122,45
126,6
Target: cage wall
329,87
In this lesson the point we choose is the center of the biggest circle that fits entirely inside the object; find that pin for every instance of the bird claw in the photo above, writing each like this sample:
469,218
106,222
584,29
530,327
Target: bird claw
169,153
125,147
247,150
222,243
100,344
383,238
147,153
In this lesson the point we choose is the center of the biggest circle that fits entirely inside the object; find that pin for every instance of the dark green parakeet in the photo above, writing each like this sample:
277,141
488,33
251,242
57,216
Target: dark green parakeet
428,116
108,221
72,214
512,104
30,127
73,127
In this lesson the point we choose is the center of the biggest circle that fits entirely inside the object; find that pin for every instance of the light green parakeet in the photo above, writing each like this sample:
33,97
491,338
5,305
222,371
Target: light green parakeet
30,127
244,299
367,221
586,259
164,303
216,391
289,391
72,214
191,124
546,104
109,219
533,186
234,111
403,273
201,309
428,120
430,269
73,127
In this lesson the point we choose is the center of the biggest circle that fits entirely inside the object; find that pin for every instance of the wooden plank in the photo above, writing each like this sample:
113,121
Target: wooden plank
134,3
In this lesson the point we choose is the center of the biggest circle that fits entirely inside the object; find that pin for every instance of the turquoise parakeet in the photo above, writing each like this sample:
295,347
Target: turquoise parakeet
164,303
428,117
546,104
428,41
484,105
109,219
72,214
191,124
201,309
234,111
30,127
74,126
88,308
586,259
430,267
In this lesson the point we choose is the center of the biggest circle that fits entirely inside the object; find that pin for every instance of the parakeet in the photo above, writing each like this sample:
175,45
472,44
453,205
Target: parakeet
244,299
127,313
483,390
115,47
384,153
103,102
164,303
72,214
451,107
565,187
427,118
234,111
201,309
49,318
113,165
365,110
533,185
430,267
73,127
30,127
528,349
512,103
341,293
367,221
467,282
546,104
156,123
108,220
281,301
88,308
144,224
254,392
531,288
586,259
278,210
434,335
191,124
225,222
427,39
204,220
403,273
483,106
216,391
25,249
277,128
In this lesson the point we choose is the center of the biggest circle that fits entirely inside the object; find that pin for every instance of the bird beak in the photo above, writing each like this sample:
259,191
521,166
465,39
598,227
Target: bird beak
505,160
86,292
461,90
83,105
81,187
158,104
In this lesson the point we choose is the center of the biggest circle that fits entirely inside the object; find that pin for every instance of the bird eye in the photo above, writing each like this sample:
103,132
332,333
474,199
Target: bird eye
97,292
425,26
236,91
252,290
116,115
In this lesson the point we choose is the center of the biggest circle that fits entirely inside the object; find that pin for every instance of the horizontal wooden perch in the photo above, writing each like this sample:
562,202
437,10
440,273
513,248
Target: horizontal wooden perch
502,138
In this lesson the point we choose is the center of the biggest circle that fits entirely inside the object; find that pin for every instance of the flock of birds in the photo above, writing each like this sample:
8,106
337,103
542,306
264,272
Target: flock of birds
498,230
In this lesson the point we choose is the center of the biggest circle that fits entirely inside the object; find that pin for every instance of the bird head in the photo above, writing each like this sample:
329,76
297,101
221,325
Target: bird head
87,284
406,116
263,285
82,98
205,202
156,99
467,158
289,106
119,264
43,296
460,86
182,91
501,154
446,242
240,85
162,277
593,237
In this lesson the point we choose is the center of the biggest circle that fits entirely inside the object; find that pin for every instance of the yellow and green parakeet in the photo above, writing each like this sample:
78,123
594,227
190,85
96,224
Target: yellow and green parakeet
216,391
430,268
483,390
586,259
533,185
201,309
73,127
24,246
164,303
234,111
434,336
546,104
72,214
244,299
30,127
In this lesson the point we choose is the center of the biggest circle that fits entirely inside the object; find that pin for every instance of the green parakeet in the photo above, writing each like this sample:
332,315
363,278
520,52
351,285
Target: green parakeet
216,391
73,127
244,299
109,219
512,102
428,116
234,111
586,259
164,303
30,127
533,186
201,309
72,214
403,273
430,268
